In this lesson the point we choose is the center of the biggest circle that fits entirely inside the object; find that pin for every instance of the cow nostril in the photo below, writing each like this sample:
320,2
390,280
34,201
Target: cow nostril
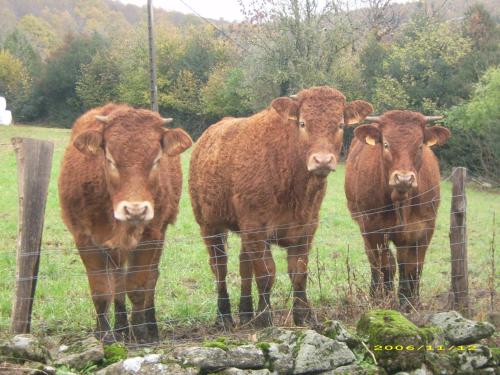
136,210
322,159
404,178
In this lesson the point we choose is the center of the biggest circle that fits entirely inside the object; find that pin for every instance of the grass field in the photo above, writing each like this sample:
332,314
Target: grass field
185,292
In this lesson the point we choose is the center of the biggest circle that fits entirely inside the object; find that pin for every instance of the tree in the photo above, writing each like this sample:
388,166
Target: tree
19,45
293,44
225,94
425,61
484,34
39,33
371,62
389,94
57,87
99,80
475,126
14,80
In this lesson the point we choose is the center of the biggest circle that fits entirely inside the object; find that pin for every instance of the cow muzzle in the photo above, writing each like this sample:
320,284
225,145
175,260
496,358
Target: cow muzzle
403,181
321,164
134,212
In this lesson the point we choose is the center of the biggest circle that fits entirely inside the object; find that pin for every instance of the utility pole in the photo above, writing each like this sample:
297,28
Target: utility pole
152,59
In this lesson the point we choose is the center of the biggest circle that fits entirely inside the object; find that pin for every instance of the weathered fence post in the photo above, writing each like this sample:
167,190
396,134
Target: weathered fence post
458,242
34,161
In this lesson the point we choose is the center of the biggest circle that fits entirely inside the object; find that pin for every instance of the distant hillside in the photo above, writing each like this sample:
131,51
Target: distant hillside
63,16
450,9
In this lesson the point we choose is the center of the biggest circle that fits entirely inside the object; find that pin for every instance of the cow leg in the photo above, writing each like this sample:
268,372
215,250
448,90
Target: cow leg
121,331
297,271
141,278
246,274
410,263
215,241
258,250
99,266
382,264
149,305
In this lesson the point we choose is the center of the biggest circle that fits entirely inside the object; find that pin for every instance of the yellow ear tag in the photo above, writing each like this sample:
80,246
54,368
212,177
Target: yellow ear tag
431,142
369,140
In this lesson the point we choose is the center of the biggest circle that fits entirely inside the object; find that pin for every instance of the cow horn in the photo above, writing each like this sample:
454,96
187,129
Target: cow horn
433,118
167,120
294,96
104,119
372,118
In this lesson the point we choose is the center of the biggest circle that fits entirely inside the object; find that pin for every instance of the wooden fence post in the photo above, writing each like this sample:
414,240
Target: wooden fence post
34,162
458,242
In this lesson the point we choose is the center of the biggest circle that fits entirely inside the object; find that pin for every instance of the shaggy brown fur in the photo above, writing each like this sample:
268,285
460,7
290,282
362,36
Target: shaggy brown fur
258,175
388,207
109,161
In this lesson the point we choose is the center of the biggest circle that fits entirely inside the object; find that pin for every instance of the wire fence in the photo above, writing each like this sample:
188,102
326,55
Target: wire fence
338,271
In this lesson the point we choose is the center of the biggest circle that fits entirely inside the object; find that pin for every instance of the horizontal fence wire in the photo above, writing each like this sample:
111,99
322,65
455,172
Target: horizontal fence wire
338,272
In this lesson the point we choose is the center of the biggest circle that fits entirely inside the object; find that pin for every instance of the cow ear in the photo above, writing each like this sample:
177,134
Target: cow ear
287,108
356,111
369,134
89,142
175,141
436,135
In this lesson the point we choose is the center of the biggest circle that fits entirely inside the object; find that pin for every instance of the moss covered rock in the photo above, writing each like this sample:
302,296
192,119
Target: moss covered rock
397,343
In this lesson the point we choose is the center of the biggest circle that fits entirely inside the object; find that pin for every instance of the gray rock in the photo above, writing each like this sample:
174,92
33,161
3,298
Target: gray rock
205,358
148,365
470,361
279,335
439,363
486,371
49,370
336,331
244,357
281,358
237,371
81,354
24,347
316,352
355,369
461,331
421,371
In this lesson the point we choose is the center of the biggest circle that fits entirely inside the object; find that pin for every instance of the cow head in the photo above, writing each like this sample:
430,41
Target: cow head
318,116
133,149
402,137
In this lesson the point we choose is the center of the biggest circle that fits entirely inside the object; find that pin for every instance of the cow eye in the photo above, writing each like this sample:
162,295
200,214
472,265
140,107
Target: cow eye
386,145
302,124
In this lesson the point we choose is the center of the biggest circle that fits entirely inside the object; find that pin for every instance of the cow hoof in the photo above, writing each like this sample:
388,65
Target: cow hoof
107,338
121,334
246,318
263,319
225,322
304,316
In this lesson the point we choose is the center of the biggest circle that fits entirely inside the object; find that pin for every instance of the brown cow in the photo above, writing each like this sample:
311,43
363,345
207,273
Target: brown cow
265,176
119,188
392,188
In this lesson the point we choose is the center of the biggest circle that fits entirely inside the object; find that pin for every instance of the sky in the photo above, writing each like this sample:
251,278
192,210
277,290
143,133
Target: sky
215,9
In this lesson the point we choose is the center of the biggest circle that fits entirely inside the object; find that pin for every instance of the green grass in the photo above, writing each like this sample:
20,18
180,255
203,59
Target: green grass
185,291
